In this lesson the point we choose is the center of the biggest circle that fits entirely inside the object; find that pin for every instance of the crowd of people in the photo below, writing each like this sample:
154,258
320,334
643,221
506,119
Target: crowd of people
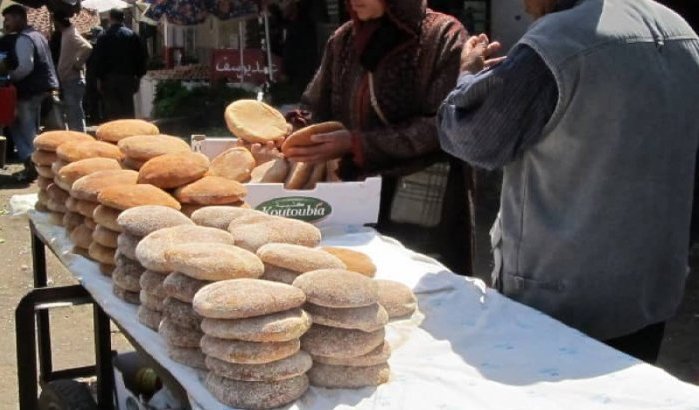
590,117
59,74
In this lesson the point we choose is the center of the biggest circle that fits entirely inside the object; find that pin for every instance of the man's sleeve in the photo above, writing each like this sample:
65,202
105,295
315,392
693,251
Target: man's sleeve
490,118
24,49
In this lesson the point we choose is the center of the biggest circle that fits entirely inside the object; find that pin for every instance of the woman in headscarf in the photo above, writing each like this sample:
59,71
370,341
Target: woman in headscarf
383,75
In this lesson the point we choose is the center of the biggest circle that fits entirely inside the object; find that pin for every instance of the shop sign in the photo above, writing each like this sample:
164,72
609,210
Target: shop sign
225,63
297,207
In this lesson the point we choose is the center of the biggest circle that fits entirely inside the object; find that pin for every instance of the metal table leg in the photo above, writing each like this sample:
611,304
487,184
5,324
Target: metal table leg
103,358
43,322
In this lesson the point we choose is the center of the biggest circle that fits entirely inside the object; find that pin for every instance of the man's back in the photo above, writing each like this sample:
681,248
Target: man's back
119,51
595,217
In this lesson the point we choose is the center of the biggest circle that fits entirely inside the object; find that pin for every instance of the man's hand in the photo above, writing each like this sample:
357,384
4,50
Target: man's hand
477,52
327,146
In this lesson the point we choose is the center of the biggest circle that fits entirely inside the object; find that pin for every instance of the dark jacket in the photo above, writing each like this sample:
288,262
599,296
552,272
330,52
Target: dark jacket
43,77
119,51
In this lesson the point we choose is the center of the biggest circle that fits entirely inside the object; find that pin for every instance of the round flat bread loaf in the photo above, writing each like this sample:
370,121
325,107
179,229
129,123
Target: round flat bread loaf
86,208
77,150
292,366
317,175
56,167
51,140
173,170
378,356
105,237
335,342
72,220
89,186
189,209
281,275
256,395
90,223
146,219
57,194
45,172
149,318
253,232
132,164
56,218
275,171
367,319
44,158
151,250
124,197
152,283
152,302
181,314
125,295
114,131
236,351
214,261
43,183
191,357
255,121
107,217
43,197
127,245
302,137
277,327
81,236
76,170
338,288
355,261
179,336
245,298
179,286
298,258
106,269
39,206
57,207
397,298
101,253
235,164
220,217
128,263
145,147
211,191
72,205
347,377
127,279
299,175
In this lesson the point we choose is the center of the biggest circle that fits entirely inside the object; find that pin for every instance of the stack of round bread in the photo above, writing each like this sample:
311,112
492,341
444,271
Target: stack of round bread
256,229
196,265
83,203
138,149
115,131
210,190
114,199
346,340
172,171
285,262
220,217
133,224
151,252
252,347
45,146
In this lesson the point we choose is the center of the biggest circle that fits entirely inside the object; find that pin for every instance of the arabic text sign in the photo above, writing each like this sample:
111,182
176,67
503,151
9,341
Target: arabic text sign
225,63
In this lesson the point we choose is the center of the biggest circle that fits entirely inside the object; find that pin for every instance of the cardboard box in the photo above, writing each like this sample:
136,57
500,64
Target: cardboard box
330,203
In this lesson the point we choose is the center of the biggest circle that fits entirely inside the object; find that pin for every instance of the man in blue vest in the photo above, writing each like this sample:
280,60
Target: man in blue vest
35,77
593,119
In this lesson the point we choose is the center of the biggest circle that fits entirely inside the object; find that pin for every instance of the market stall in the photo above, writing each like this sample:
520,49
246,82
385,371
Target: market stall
467,347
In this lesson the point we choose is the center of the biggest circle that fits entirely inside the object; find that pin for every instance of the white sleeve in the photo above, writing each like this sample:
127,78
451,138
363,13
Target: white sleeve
25,58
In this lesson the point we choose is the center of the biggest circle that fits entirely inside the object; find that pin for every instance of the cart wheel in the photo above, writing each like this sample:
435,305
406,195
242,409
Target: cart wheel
66,395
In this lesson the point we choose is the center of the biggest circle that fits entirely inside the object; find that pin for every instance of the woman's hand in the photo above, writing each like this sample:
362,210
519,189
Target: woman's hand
327,146
262,153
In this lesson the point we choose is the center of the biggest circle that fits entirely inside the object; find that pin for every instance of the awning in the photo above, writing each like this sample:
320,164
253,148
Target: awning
104,5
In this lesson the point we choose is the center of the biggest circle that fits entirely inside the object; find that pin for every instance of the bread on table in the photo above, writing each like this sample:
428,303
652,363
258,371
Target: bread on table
235,164
173,170
114,131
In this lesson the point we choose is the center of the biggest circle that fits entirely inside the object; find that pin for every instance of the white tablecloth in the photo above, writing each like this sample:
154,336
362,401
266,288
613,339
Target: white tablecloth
467,348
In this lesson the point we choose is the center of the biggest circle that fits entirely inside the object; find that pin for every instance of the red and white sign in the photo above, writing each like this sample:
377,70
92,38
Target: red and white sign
225,63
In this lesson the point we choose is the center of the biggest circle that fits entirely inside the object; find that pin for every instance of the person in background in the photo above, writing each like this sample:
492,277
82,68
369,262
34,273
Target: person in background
592,117
120,60
35,78
383,75
75,51
93,99
9,63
